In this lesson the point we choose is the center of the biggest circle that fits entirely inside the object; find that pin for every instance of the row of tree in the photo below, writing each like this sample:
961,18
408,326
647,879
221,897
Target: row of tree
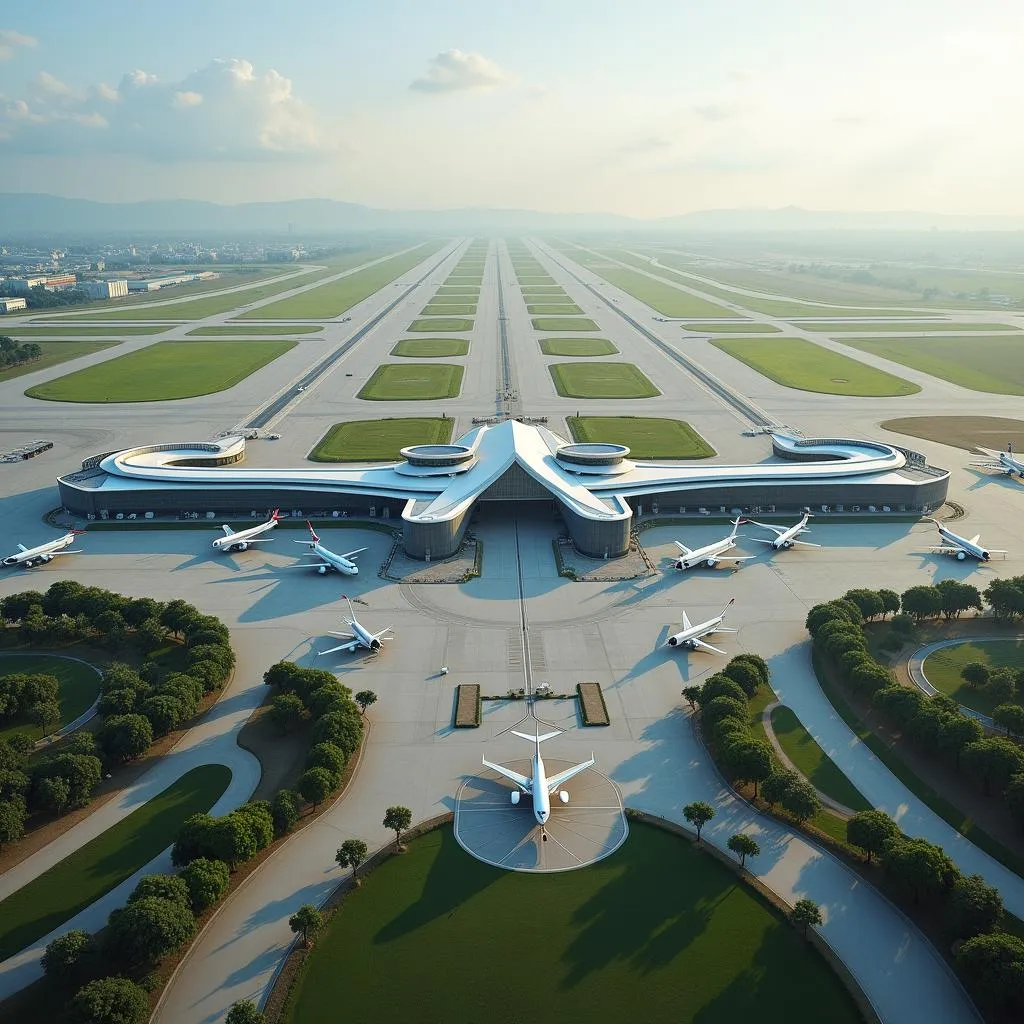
29,697
13,353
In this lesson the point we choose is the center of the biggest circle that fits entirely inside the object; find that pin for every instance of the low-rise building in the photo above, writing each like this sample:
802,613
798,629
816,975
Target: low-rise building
116,289
11,305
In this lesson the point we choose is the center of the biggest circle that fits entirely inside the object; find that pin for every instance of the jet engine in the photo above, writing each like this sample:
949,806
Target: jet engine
322,570
680,564
515,797
711,563
242,547
563,796
985,555
374,645
961,555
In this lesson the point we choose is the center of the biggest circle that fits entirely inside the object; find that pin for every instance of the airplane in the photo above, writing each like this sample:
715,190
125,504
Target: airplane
960,547
711,554
1006,461
359,637
538,785
43,553
241,540
328,558
690,636
786,536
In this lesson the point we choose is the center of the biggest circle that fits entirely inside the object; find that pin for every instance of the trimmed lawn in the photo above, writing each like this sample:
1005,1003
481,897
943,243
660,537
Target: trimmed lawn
796,363
430,348
965,432
601,380
660,922
96,868
543,293
742,327
555,309
392,382
660,295
994,365
439,324
902,325
448,309
248,329
813,762
577,347
86,331
79,685
163,372
558,323
379,440
55,353
943,669
647,437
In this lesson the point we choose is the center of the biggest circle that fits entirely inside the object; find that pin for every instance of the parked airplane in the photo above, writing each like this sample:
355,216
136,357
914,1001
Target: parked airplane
359,637
241,540
691,635
328,558
538,785
960,548
786,536
1006,461
711,554
43,553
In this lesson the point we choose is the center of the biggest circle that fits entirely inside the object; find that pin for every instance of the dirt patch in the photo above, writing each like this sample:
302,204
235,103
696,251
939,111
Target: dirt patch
467,706
462,566
282,757
635,564
966,432
592,705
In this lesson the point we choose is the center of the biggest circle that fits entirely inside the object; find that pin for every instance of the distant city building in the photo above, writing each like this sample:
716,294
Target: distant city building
56,282
23,285
154,284
10,305
282,255
99,265
116,289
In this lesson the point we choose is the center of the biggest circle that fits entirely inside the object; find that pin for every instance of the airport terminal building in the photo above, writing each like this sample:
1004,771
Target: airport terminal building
597,488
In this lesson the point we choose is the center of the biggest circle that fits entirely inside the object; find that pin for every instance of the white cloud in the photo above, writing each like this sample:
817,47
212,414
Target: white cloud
224,111
455,71
11,40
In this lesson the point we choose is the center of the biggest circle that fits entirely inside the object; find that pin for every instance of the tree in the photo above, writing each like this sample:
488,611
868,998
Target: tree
777,785
125,737
66,956
922,602
975,674
922,867
110,1001
398,819
691,693
720,685
351,854
868,601
872,831
44,713
973,907
804,914
956,732
244,1012
287,711
163,712
307,922
165,887
724,707
178,616
822,613
147,929
992,762
1002,685
757,662
993,967
744,673
207,880
327,755
958,597
749,760
364,698
743,846
1011,718
192,840
343,728
698,814
233,839
284,809
52,795
801,800
316,785
12,822
890,601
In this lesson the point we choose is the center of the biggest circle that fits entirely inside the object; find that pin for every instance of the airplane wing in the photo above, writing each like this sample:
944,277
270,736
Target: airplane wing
760,540
307,565
557,780
686,621
805,543
228,532
352,554
380,636
350,646
525,784
258,540
778,530
702,646
682,547
734,558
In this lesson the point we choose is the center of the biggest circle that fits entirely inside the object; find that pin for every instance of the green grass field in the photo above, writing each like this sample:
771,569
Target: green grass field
554,309
740,327
813,762
430,348
457,293
557,323
243,330
55,353
165,371
907,326
543,290
601,380
441,324
994,365
449,309
659,932
800,364
943,669
648,437
89,331
658,294
96,868
79,686
574,347
392,382
379,440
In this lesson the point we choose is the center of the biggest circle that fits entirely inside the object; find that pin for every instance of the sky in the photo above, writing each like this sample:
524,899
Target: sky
651,108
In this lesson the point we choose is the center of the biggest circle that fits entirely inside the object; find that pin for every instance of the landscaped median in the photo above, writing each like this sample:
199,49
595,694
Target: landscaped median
430,348
601,380
647,437
558,323
437,324
575,348
78,686
379,440
53,353
393,382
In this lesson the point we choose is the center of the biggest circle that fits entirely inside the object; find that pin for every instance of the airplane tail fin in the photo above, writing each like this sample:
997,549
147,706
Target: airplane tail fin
276,515
78,532
728,606
536,739
737,523
312,532
350,609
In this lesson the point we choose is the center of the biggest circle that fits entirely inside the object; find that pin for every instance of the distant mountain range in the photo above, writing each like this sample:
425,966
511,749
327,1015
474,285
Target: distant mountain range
35,213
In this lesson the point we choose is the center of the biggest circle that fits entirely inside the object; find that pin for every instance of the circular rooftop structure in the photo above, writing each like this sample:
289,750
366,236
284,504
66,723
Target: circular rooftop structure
437,455
592,454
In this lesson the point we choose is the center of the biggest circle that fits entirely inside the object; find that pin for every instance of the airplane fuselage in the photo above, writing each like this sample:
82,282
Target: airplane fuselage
541,796
785,539
335,562
687,636
239,541
40,554
966,547
705,555
366,638
1010,464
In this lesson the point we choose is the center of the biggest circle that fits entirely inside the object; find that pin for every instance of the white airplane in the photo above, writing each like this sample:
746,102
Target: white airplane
538,785
43,553
241,540
359,637
711,554
786,536
328,559
691,635
960,547
1006,461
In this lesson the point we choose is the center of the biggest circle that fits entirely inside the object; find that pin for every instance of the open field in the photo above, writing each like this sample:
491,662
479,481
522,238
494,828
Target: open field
449,309
165,371
943,669
660,921
330,300
85,331
647,437
601,380
441,324
574,347
813,762
54,353
543,289
564,324
995,364
800,364
962,431
392,382
917,327
227,330
379,440
742,327
79,686
106,861
430,348
457,293
668,301
554,309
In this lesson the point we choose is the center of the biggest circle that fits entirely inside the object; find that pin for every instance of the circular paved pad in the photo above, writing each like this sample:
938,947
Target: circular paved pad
587,829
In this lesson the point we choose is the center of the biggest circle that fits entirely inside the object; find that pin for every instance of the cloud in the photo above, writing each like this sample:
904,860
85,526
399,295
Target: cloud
224,111
455,71
714,111
11,40
648,144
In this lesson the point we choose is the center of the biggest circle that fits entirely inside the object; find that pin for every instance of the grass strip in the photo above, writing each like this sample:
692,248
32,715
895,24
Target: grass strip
441,324
242,330
379,440
601,380
564,324
647,437
430,348
573,347
55,353
392,382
